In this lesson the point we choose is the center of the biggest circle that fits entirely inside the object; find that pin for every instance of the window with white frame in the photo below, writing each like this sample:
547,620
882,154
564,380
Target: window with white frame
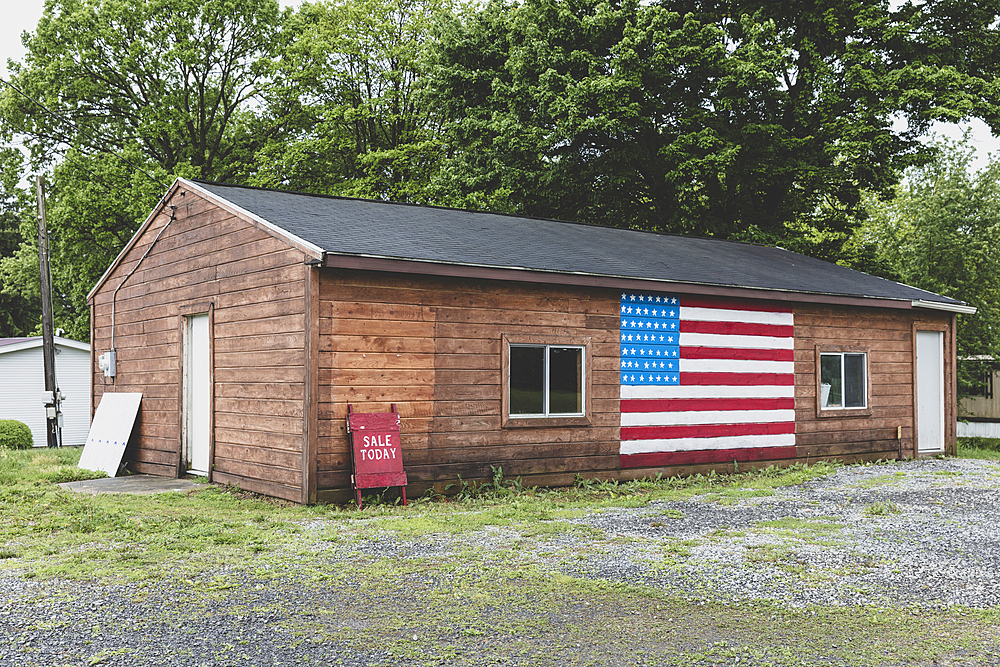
843,380
546,380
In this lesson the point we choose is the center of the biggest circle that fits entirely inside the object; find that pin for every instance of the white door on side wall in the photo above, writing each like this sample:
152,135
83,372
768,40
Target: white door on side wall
197,394
930,392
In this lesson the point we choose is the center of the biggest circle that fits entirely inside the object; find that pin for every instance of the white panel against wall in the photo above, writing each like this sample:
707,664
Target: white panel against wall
109,433
930,391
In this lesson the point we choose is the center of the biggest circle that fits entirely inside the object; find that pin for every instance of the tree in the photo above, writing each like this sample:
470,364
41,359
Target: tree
942,233
170,78
346,102
116,97
748,120
20,313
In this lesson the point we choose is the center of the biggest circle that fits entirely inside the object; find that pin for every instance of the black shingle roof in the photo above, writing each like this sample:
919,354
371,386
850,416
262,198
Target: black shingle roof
367,228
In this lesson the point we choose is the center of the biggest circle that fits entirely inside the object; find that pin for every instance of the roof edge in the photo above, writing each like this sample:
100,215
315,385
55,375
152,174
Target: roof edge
307,247
36,341
459,270
950,307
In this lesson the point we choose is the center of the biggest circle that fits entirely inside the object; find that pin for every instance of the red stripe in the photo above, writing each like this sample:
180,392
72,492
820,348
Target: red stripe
704,430
738,379
737,328
736,353
657,459
758,307
701,404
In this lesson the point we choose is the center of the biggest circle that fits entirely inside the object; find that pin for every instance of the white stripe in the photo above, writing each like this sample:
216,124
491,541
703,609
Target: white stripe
724,315
707,391
695,444
706,417
728,340
736,366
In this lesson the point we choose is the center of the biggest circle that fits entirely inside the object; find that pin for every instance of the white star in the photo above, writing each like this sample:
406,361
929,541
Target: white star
647,364
658,377
623,307
646,337
645,311
657,299
641,352
656,325
624,295
623,363
642,379
630,338
633,378
623,337
631,297
624,323
628,310
673,301
640,297
633,351
673,325
672,313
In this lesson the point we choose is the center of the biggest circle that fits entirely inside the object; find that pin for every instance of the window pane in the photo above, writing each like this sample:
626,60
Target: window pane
565,380
854,380
830,377
527,376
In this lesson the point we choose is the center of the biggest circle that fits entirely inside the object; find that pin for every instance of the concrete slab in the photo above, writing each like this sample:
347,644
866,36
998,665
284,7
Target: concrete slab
133,484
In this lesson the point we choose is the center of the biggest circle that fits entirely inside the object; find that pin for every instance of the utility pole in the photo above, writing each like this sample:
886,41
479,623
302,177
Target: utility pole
53,415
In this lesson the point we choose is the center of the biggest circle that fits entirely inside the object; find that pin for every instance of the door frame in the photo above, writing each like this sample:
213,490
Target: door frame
186,312
949,390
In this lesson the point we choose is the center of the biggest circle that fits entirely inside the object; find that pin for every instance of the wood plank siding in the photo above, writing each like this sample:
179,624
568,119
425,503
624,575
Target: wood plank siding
208,259
888,338
433,347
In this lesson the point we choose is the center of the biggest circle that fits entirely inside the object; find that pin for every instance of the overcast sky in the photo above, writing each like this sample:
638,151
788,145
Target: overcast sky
21,15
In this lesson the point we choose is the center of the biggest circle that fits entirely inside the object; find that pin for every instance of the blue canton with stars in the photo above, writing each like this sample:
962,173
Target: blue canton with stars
650,328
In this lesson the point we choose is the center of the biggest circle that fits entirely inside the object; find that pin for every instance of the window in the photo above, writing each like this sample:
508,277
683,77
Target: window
843,380
546,381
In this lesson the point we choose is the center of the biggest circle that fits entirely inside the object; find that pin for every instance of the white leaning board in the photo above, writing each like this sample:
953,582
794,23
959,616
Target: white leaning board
109,432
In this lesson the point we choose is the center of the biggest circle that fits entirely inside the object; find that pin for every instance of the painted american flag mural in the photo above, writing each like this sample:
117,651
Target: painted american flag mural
705,381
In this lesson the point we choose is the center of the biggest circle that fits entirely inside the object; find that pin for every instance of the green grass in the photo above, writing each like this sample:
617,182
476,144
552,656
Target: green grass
469,600
979,448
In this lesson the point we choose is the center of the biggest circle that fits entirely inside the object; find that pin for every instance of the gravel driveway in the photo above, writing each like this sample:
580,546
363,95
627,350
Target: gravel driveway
922,536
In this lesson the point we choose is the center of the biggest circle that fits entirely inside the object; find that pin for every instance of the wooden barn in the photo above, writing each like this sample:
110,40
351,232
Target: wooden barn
250,319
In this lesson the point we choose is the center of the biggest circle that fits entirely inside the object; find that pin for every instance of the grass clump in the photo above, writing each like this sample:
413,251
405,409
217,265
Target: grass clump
979,448
882,508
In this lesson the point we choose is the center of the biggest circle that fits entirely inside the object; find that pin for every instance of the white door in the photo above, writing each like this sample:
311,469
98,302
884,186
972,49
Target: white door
930,391
197,394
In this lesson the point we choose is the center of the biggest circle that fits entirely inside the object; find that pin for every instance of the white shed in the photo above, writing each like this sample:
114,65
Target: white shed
22,386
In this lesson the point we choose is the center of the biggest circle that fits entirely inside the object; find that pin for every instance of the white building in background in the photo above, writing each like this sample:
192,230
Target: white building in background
22,386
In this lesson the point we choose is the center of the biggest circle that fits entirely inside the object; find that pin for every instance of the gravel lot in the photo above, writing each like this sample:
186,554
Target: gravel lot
921,535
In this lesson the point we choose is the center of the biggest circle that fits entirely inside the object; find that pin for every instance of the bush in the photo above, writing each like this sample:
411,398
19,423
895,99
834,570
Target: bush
14,435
